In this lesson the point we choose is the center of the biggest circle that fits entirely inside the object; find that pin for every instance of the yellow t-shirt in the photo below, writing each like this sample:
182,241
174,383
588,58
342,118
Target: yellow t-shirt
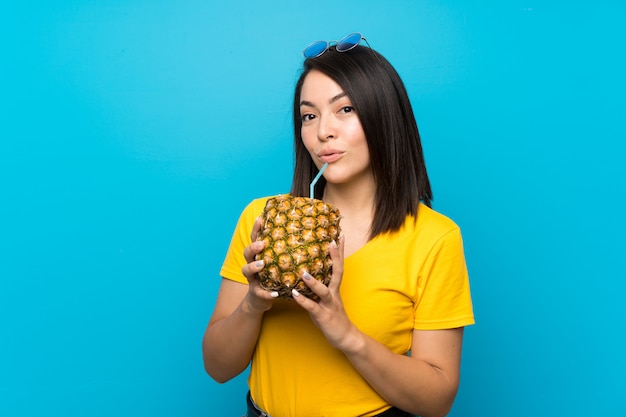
415,278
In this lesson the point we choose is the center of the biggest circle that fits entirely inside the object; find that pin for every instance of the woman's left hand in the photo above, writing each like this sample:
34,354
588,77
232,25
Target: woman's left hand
328,312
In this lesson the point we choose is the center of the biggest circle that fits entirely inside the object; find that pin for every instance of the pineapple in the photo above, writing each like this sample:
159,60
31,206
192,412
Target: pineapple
297,232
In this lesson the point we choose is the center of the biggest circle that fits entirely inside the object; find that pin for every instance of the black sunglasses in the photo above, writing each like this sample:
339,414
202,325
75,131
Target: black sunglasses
345,44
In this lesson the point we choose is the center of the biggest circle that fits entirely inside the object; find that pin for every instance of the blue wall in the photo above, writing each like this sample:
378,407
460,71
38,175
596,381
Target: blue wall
132,133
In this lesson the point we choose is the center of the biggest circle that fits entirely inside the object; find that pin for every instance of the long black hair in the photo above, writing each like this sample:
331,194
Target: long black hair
386,115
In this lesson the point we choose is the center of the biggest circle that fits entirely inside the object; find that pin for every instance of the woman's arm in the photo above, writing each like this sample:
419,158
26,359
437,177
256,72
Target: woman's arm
424,383
232,332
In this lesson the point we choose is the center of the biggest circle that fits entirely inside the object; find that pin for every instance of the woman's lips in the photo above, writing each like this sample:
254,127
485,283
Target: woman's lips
330,156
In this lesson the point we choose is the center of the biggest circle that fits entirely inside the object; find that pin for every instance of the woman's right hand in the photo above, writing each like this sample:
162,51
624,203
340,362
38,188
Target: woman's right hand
258,298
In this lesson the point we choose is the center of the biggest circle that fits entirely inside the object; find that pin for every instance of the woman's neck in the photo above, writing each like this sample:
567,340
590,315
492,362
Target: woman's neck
356,206
351,198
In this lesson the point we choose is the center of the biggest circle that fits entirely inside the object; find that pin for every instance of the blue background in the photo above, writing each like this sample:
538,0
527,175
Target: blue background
134,132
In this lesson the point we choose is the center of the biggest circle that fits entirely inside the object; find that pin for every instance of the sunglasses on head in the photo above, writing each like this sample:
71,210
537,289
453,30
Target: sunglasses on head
345,44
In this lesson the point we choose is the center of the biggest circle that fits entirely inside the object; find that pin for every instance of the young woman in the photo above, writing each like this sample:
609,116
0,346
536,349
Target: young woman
384,338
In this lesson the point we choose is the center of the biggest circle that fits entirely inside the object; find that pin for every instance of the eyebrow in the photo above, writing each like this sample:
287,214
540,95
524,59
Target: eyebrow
331,101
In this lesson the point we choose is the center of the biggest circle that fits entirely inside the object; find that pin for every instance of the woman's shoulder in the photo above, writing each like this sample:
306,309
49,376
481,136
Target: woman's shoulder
431,223
430,229
434,218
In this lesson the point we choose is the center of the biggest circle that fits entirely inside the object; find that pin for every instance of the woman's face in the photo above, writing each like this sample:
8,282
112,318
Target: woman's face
332,132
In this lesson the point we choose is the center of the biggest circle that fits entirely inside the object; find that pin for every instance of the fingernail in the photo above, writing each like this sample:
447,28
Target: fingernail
306,275
259,263
295,292
274,294
334,244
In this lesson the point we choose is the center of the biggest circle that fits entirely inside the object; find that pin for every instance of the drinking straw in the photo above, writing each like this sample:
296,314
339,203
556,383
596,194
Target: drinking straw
317,177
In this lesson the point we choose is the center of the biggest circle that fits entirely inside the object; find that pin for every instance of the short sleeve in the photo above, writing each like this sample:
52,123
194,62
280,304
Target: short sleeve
234,261
443,298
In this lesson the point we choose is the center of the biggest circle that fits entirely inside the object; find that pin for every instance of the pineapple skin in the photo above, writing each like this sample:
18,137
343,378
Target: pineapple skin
297,232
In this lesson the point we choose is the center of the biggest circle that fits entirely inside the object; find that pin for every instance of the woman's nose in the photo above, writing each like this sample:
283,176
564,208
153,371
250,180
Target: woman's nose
326,129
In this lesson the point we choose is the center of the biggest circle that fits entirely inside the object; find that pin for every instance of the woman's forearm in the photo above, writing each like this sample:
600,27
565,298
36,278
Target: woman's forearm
229,342
415,384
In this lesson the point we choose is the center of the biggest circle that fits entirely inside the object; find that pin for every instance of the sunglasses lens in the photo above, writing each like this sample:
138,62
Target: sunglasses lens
315,49
349,42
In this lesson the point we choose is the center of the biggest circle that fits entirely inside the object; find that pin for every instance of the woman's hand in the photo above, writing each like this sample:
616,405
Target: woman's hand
328,313
258,298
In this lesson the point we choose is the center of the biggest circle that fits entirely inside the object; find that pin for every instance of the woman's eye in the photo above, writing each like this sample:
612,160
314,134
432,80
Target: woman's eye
307,117
347,109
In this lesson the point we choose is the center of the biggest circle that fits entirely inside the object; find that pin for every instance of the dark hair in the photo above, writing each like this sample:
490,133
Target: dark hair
384,110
